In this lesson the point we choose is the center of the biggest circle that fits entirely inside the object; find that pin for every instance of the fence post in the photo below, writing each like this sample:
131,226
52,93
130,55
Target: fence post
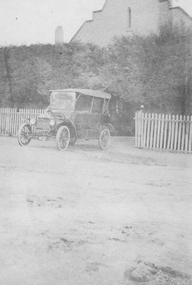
148,119
136,129
190,133
161,131
176,133
172,131
7,121
152,131
145,130
142,129
158,130
183,134
187,134
155,132
139,128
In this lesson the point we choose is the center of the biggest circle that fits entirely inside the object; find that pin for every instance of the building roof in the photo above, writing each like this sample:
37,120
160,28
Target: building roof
183,11
100,11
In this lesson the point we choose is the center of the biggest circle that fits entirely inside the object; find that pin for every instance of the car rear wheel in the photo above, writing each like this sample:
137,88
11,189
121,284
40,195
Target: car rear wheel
63,138
24,134
104,139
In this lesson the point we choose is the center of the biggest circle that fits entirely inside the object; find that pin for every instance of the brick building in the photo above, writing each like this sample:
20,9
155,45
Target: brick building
125,17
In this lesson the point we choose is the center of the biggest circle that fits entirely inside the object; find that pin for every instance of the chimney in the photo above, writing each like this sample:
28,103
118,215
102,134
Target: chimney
175,3
165,12
59,35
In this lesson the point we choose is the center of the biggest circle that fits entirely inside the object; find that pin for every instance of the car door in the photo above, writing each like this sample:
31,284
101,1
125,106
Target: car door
83,114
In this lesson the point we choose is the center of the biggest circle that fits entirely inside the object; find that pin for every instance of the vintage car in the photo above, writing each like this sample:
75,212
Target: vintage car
71,115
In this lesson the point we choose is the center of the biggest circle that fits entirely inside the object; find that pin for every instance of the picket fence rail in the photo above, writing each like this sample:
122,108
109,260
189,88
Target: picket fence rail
163,132
11,119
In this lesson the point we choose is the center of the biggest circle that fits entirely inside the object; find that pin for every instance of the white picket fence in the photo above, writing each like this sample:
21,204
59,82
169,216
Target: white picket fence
11,119
163,132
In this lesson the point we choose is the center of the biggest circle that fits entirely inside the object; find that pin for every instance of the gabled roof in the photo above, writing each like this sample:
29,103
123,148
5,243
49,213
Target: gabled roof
100,11
183,11
97,11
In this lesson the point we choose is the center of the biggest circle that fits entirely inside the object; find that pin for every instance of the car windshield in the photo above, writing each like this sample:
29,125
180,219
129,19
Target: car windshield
62,100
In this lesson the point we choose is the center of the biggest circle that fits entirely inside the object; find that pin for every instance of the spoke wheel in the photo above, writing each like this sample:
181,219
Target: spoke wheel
63,138
24,134
104,139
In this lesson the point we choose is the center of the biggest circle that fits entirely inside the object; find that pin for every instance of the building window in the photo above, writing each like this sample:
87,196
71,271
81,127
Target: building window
129,18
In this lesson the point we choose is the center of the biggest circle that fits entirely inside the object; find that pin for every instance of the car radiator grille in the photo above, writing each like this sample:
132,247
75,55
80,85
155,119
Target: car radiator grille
43,124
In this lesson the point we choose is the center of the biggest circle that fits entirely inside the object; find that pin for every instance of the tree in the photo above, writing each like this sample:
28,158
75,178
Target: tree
153,70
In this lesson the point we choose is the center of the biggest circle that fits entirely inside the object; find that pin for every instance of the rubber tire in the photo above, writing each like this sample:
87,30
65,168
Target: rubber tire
59,133
19,135
101,145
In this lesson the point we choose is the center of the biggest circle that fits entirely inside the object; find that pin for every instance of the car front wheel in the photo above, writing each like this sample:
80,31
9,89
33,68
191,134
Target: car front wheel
63,138
104,139
24,134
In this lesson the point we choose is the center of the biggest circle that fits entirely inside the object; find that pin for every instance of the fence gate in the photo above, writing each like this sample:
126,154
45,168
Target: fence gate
163,132
11,119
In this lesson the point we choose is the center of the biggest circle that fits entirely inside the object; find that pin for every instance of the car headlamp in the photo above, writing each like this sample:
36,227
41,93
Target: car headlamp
32,121
52,123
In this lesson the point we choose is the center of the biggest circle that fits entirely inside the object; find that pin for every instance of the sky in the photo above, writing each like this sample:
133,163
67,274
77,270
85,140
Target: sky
25,22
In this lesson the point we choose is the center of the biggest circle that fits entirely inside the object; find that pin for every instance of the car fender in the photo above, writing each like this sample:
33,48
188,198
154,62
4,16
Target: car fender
108,126
69,123
26,123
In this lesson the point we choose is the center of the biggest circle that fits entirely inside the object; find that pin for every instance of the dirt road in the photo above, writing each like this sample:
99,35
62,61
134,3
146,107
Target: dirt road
85,216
